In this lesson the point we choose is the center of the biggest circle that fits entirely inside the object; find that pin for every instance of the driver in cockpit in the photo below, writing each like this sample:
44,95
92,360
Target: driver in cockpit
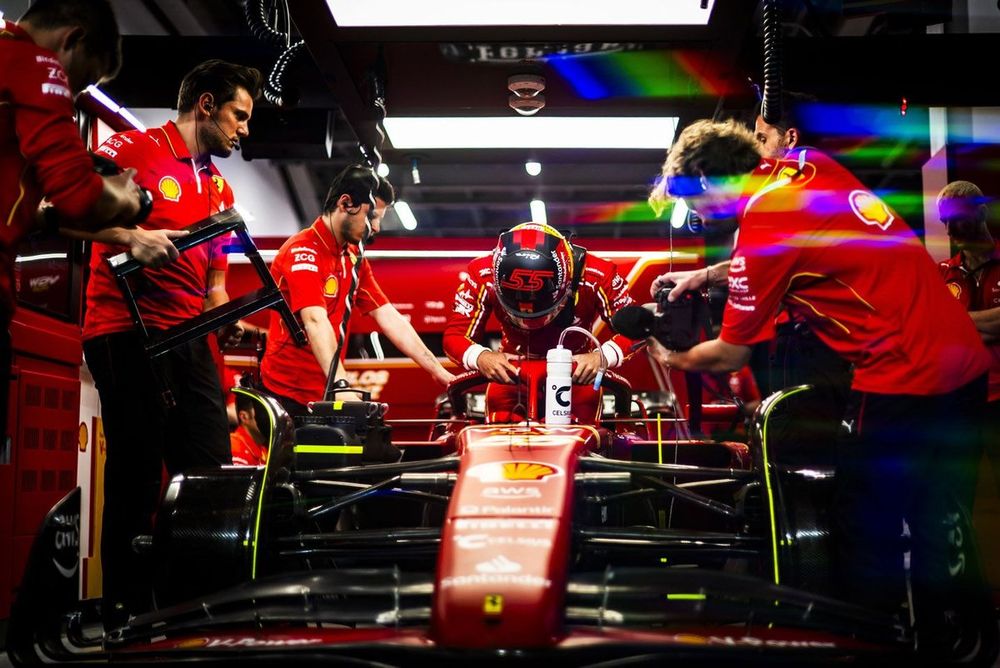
536,284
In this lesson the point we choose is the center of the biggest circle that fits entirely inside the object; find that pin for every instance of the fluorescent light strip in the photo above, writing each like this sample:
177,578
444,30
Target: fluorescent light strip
538,212
114,107
40,257
405,215
268,255
603,132
352,13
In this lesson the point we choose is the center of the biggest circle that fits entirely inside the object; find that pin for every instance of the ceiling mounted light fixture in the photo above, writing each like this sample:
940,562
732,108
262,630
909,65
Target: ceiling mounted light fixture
415,171
593,132
533,167
382,170
354,14
538,212
405,214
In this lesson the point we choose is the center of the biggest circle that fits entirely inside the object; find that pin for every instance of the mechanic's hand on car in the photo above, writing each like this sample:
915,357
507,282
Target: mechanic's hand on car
587,365
229,335
495,367
658,351
684,281
154,248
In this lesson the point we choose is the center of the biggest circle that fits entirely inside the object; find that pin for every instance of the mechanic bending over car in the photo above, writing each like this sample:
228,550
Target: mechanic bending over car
536,284
813,239
58,48
972,276
174,162
313,270
795,356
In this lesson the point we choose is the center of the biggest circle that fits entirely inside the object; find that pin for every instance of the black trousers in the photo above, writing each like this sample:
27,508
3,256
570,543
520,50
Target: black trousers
143,434
913,459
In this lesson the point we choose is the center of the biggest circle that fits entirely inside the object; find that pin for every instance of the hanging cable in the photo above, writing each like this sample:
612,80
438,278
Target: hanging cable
771,105
260,26
276,89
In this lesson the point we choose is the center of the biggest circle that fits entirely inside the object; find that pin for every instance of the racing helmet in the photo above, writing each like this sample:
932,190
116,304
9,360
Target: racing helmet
532,274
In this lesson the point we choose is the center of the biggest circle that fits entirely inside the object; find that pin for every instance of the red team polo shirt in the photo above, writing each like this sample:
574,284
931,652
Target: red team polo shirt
602,293
245,450
41,153
311,270
181,196
816,240
977,295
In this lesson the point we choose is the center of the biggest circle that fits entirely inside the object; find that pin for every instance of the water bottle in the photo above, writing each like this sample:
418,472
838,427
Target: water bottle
559,386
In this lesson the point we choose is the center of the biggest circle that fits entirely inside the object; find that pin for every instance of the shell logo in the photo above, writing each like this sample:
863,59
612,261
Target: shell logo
330,286
83,437
220,183
870,209
527,471
170,189
955,289
518,470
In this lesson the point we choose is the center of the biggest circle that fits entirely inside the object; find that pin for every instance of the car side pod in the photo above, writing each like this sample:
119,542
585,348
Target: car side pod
49,591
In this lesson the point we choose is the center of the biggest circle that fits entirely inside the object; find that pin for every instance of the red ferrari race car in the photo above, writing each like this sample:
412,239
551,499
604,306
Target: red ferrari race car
582,544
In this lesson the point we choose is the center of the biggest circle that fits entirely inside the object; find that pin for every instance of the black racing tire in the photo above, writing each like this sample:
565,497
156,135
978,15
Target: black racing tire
205,535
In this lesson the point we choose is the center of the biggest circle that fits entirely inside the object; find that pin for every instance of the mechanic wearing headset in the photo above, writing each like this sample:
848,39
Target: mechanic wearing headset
58,48
815,240
174,162
536,284
313,270
248,441
972,276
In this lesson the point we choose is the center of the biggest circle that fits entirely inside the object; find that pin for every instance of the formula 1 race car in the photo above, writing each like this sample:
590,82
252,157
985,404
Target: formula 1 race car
586,544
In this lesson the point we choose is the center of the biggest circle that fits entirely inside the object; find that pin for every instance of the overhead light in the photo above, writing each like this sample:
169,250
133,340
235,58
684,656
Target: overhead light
415,171
352,14
679,214
112,106
405,215
382,170
538,212
608,132
533,167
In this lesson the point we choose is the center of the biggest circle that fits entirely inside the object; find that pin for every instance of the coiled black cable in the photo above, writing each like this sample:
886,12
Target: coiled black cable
276,90
771,105
260,27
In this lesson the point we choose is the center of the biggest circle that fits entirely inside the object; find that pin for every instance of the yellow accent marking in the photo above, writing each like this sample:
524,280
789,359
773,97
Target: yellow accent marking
663,560
17,202
767,482
329,449
685,597
272,420
338,405
822,315
479,310
835,280
659,439
493,604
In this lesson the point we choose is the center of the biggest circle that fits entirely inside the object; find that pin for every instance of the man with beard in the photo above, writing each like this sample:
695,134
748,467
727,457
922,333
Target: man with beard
174,162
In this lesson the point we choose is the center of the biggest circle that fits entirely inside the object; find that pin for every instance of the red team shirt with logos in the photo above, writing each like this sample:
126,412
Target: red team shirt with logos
977,294
41,153
182,196
311,270
602,293
816,240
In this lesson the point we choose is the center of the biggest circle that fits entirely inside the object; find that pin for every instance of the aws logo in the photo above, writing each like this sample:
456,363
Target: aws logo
870,209
331,286
170,188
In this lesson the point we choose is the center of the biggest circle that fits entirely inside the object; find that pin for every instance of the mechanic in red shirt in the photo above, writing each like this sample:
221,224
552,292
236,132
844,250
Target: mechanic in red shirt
58,48
313,270
536,284
174,162
973,277
248,441
815,240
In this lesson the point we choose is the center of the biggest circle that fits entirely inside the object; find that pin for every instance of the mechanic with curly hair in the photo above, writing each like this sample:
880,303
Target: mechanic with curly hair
536,283
813,239
313,270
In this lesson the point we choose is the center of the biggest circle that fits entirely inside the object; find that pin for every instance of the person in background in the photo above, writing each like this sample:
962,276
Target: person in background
249,440
973,277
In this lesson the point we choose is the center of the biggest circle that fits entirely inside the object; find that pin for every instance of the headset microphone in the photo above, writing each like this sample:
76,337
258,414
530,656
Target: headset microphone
233,142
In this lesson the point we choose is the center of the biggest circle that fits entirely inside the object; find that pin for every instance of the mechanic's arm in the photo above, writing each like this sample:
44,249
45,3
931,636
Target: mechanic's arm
399,330
229,335
715,275
322,339
987,323
714,356
152,248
